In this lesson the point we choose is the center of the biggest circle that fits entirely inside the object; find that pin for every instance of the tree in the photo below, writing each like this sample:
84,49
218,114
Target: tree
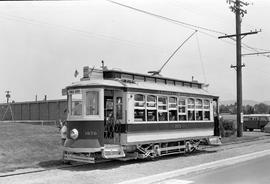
248,109
261,108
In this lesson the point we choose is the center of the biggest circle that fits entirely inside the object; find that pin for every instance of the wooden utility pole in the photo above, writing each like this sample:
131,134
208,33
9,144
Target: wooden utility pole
238,69
239,13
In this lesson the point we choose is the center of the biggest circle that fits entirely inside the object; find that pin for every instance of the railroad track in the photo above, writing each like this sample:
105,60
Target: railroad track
102,161
41,170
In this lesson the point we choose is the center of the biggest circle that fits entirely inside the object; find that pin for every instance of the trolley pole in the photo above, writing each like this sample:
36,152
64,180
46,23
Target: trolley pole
239,13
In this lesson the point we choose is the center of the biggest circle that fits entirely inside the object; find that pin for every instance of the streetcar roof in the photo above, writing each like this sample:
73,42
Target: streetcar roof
148,76
146,86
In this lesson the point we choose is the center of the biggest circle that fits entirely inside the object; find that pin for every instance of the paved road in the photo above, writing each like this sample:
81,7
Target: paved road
248,172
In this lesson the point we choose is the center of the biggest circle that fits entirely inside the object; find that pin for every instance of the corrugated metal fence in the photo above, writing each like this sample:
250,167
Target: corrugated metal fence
51,110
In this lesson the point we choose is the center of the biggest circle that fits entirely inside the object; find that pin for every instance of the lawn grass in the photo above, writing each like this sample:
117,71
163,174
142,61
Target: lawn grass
24,145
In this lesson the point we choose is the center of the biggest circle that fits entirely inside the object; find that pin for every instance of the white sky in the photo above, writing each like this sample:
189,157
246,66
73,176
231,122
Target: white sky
42,43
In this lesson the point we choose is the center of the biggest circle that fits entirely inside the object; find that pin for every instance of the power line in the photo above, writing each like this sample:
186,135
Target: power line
183,24
68,28
86,33
194,27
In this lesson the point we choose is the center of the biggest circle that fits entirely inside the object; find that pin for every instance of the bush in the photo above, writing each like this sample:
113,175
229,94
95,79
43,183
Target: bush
227,127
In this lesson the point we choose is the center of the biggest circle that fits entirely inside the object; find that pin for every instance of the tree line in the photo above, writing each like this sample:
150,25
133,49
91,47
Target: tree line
260,108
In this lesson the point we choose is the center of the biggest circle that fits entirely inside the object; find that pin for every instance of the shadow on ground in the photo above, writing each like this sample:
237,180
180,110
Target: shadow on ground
111,164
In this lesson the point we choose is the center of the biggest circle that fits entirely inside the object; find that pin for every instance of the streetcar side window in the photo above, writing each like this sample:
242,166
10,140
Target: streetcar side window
206,110
162,108
172,108
139,107
92,102
151,108
199,109
191,109
182,109
76,103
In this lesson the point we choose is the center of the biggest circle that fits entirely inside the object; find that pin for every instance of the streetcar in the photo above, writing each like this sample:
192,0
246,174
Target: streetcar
113,114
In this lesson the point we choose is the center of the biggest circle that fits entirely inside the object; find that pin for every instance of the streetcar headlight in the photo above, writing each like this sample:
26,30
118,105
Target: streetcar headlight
74,133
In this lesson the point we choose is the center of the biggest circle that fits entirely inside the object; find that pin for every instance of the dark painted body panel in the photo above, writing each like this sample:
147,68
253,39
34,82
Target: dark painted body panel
147,127
90,133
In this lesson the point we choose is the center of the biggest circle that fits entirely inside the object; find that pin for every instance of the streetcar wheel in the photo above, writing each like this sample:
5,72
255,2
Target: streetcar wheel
250,129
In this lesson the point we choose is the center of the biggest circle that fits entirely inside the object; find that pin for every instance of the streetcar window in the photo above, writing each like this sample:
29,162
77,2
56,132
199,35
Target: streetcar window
151,101
162,116
246,118
172,102
178,83
206,107
162,103
206,115
151,115
139,100
138,78
191,109
191,103
182,109
161,81
195,85
151,108
139,115
150,79
173,115
139,107
92,103
187,84
119,108
127,76
199,104
76,104
172,108
263,119
162,108
199,108
206,104
170,82
199,115
191,115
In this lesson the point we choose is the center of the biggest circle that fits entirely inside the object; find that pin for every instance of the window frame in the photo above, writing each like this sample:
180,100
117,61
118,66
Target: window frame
175,109
195,106
140,108
150,108
99,116
208,109
162,110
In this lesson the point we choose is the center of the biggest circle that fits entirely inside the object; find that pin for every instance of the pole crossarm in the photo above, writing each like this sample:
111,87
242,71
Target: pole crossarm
242,34
256,53
235,66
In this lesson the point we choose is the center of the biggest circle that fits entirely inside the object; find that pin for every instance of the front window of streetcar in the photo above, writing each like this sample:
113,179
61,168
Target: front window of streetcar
76,104
92,103
85,103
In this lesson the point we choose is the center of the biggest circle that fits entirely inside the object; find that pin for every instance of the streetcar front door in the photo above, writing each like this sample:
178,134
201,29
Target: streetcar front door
113,116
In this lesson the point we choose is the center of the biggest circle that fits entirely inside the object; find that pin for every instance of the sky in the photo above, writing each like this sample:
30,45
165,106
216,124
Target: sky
42,43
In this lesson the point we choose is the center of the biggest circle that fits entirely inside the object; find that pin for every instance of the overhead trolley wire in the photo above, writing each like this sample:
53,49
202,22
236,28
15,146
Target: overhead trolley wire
71,29
194,27
184,24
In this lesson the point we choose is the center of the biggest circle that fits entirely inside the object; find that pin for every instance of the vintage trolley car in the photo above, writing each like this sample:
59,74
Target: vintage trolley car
114,114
